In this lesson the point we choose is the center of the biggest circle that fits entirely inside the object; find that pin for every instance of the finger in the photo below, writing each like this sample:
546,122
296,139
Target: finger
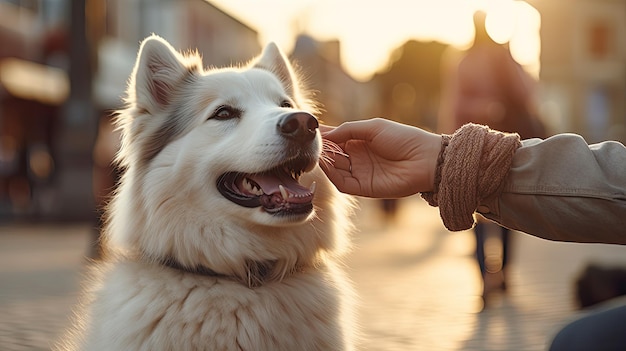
325,128
336,160
361,130
333,174
342,162
343,180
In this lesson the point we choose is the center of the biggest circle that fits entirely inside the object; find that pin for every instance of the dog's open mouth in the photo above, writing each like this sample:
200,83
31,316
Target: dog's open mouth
277,190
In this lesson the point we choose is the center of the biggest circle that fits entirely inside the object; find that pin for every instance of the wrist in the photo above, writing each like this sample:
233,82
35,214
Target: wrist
438,162
435,169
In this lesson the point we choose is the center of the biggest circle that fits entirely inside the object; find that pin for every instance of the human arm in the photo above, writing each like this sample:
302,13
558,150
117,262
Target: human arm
559,188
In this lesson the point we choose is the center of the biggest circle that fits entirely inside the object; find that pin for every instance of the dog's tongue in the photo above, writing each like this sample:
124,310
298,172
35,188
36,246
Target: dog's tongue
269,183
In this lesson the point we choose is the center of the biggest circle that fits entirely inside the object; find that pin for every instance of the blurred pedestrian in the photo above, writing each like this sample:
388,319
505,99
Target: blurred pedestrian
487,86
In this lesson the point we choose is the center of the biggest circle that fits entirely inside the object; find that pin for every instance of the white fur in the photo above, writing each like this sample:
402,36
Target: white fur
167,205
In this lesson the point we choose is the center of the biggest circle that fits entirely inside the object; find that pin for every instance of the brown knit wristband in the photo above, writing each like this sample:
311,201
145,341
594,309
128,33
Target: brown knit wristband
474,164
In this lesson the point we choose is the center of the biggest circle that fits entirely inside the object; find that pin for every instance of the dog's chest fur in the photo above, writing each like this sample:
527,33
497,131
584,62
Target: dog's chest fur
147,307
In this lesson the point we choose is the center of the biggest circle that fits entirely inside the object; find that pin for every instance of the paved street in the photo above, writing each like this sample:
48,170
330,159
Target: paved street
418,284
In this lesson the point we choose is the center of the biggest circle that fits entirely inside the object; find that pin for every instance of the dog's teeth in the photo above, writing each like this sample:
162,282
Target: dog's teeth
251,187
283,192
312,187
247,186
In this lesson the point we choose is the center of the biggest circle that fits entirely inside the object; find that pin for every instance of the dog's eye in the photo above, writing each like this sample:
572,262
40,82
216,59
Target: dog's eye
286,104
225,112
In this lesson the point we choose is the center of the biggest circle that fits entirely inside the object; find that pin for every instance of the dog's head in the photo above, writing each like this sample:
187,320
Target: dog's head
221,165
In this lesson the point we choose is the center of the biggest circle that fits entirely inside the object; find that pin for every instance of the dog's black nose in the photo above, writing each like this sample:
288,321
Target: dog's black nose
299,126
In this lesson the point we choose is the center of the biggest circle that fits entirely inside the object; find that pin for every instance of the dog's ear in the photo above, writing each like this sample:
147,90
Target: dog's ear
273,60
158,71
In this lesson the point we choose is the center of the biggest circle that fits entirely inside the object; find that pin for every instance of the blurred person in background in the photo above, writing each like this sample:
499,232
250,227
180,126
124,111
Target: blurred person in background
487,86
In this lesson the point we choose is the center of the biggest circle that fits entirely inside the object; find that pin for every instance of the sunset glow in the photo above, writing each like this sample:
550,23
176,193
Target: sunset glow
370,30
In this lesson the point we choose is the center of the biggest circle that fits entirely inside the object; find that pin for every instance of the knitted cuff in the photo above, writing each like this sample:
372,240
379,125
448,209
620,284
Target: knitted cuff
471,166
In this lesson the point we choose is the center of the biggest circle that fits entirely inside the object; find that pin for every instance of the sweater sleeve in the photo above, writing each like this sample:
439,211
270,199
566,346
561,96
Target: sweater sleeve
563,189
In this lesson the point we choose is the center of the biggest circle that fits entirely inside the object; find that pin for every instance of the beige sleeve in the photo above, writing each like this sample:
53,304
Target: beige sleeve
563,189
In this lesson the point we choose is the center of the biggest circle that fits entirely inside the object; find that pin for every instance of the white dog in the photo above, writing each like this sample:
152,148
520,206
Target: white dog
224,233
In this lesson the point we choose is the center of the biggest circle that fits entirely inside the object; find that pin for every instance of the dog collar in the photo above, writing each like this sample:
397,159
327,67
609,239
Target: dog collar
257,273
200,270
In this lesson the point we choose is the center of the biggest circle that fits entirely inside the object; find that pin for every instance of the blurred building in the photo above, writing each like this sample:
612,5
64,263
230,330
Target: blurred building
341,97
34,86
583,67
186,24
410,87
64,65
84,51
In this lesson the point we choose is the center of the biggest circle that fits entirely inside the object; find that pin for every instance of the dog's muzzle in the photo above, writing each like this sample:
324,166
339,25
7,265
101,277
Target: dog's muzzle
278,190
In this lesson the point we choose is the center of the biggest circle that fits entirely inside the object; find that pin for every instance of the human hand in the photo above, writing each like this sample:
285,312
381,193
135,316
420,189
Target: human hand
380,158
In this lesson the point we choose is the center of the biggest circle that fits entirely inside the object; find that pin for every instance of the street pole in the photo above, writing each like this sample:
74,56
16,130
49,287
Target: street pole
78,125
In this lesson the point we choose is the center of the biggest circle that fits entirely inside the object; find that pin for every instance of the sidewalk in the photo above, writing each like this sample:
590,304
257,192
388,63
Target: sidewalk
40,269
418,284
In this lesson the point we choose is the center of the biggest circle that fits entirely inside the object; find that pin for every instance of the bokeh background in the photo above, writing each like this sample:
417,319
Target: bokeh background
64,65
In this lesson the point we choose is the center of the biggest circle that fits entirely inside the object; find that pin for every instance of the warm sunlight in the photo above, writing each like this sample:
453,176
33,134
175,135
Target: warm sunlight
369,30
518,23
